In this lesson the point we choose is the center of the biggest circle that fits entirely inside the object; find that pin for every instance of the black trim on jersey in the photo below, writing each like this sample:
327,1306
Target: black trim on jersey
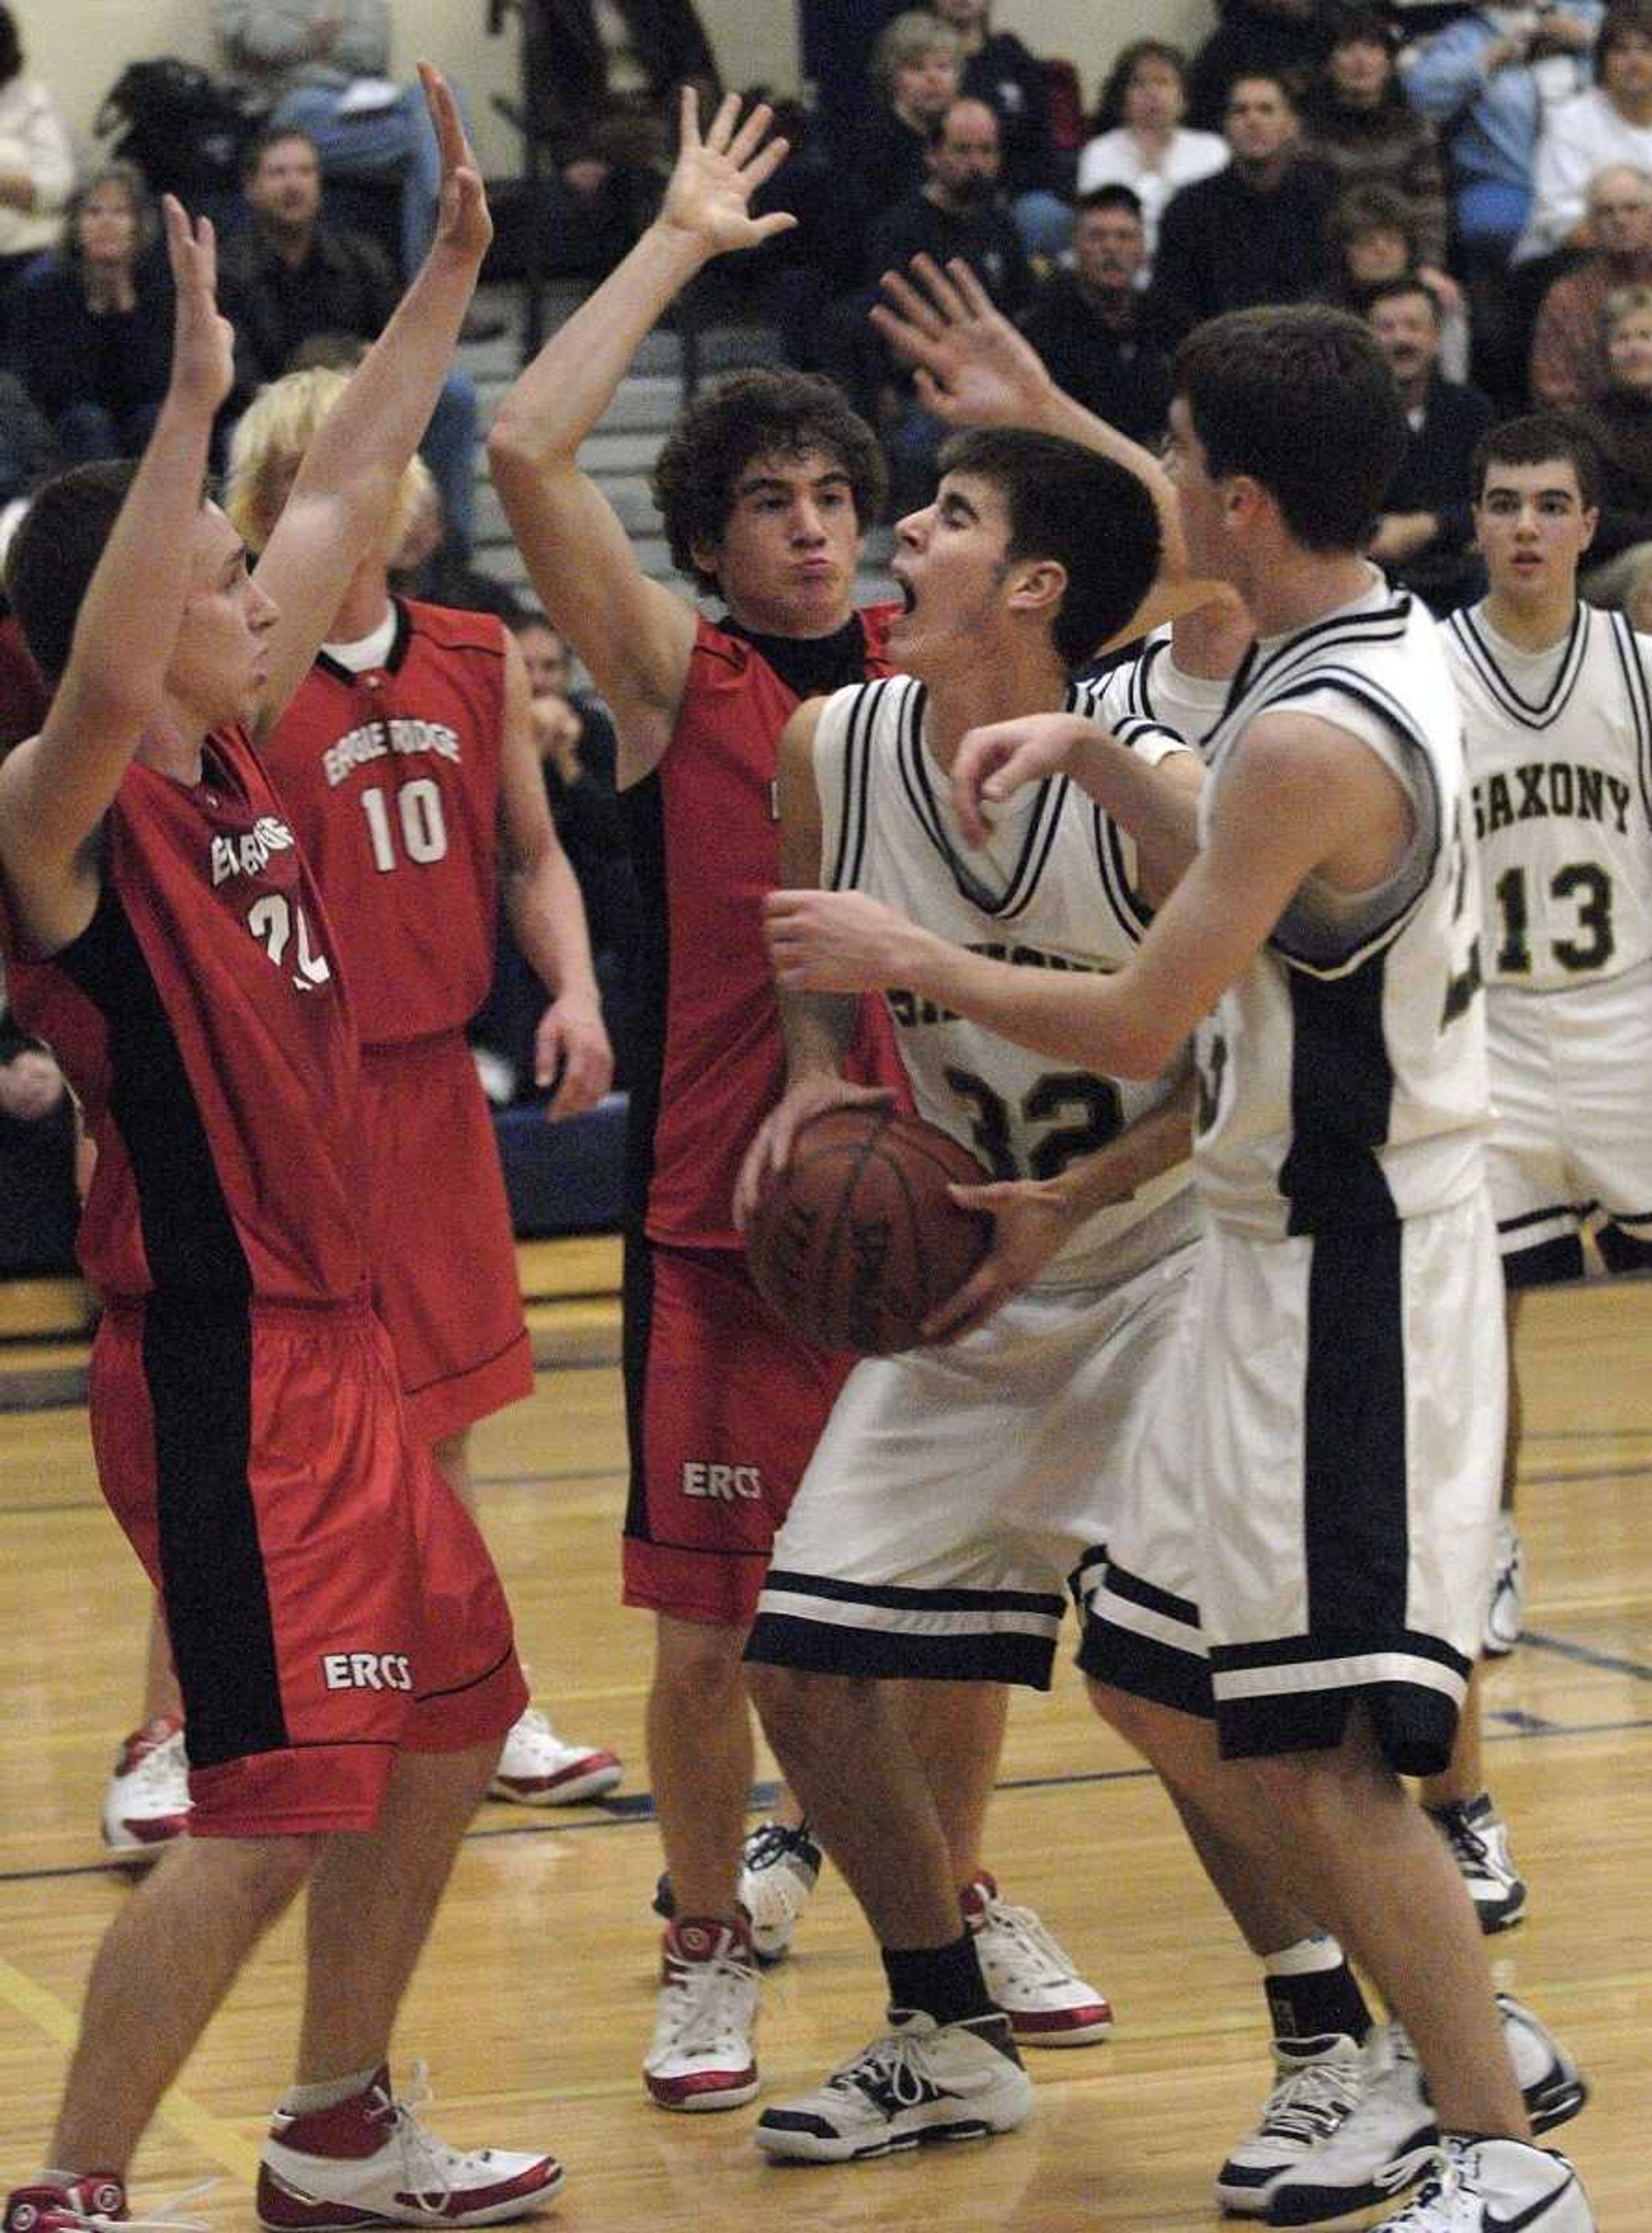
1387,624
1539,715
1415,881
810,666
847,869
1342,1099
1633,668
648,998
1043,825
1111,841
1545,1264
190,1241
401,644
1356,1512
197,1368
1138,697
1415,1725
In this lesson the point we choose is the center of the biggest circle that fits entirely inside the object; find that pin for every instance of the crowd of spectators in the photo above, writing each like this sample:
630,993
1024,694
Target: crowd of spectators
1479,191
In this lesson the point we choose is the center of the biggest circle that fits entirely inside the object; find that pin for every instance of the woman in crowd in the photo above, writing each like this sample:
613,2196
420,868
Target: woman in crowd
93,332
1140,142
1621,424
1357,118
1377,236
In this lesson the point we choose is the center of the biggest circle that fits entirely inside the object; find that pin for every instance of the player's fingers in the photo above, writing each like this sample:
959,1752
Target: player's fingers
961,1313
723,123
776,221
749,138
972,297
942,288
762,166
931,394
915,310
688,117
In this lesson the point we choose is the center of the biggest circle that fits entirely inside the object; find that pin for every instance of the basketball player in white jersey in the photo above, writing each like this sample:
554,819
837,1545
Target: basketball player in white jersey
1181,675
960,1490
1329,1436
1556,714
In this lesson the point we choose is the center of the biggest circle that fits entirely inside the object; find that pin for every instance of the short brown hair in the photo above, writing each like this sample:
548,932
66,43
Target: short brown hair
753,414
1533,440
1300,398
56,552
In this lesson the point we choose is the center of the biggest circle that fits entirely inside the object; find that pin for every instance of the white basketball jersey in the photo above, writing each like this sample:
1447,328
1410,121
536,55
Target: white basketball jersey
1559,750
1053,889
1342,1077
1152,688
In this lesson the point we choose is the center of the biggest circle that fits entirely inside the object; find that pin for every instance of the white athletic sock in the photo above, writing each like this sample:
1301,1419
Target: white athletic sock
1322,1951
304,2100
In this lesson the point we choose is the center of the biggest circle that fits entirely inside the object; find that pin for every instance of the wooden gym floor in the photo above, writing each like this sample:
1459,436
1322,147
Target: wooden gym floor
535,2003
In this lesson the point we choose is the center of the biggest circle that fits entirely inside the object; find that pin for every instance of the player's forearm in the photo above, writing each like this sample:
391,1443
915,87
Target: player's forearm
561,395
1145,1150
546,912
818,1030
1160,813
1070,1017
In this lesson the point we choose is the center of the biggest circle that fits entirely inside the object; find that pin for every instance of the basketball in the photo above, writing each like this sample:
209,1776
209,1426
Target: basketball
857,1240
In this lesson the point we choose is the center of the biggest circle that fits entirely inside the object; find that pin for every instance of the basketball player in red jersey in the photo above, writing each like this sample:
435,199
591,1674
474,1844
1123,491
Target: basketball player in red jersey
343,1645
406,765
767,486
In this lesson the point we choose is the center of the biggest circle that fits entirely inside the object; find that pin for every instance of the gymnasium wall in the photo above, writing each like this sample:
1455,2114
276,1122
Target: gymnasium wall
79,46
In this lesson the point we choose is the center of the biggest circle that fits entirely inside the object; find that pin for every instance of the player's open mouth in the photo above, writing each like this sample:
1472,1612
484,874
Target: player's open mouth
908,595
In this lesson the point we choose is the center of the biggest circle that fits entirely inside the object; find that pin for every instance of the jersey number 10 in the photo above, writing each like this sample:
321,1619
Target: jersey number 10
419,812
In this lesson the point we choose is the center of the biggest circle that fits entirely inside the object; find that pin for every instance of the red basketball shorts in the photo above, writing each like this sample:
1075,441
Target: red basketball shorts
723,1408
439,1229
327,1600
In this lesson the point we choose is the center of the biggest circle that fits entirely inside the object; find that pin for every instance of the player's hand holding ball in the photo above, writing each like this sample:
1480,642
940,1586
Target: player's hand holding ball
771,1149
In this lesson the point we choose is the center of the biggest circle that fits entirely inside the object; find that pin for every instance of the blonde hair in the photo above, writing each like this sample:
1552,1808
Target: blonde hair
906,39
269,445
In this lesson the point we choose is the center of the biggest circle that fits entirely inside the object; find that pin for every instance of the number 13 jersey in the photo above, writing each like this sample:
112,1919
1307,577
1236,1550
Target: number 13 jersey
1053,889
1559,751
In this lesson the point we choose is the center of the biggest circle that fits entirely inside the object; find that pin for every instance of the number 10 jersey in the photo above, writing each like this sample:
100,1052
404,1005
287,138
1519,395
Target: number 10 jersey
1053,889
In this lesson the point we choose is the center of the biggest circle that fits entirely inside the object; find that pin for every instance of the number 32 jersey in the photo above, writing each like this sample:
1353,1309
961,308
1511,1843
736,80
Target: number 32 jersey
1559,751
1053,889
391,777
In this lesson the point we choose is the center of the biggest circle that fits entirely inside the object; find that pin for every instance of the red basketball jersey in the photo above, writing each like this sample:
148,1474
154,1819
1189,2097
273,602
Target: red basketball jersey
391,779
202,1019
708,1061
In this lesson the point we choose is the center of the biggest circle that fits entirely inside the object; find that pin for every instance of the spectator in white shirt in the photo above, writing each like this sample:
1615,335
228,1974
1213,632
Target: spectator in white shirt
36,161
1609,123
1140,142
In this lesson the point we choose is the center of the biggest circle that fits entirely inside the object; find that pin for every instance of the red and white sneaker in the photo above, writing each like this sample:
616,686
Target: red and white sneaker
1029,1976
146,1805
701,2056
95,2200
537,1769
368,2161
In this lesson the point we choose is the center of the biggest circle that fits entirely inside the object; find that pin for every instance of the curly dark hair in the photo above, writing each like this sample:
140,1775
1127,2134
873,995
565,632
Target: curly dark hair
753,414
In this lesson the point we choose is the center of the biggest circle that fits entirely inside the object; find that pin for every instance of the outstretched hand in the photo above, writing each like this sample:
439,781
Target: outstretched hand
709,194
463,221
970,365
995,761
203,339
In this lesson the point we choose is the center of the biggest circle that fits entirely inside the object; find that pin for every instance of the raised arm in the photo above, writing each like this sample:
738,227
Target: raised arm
634,635
972,368
56,788
542,899
342,501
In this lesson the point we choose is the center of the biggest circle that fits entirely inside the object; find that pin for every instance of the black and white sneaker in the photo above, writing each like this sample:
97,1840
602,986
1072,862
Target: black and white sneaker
921,2081
1384,2145
1316,2086
1479,1837
1495,2186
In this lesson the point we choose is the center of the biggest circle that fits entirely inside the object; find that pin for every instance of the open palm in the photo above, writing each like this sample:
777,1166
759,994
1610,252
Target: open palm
970,365
710,190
